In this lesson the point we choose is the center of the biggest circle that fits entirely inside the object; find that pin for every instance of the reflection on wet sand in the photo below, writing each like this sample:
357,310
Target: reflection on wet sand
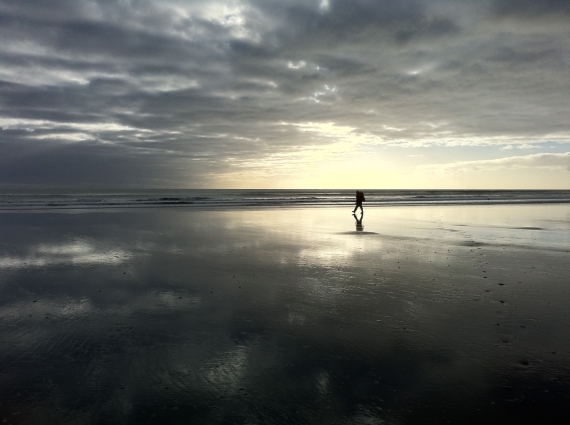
176,316
75,252
359,225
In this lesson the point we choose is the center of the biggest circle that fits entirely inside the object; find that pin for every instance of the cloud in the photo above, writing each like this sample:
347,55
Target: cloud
521,146
550,161
531,9
176,92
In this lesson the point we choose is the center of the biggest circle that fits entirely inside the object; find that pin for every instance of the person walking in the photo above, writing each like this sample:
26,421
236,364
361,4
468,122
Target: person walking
359,200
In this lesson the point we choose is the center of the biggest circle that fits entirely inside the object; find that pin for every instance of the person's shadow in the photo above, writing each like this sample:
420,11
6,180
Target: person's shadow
359,225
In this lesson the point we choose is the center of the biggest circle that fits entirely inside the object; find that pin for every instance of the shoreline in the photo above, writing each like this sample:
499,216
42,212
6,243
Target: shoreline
191,205
248,199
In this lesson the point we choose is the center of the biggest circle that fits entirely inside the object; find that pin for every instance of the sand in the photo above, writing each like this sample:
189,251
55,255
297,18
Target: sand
447,314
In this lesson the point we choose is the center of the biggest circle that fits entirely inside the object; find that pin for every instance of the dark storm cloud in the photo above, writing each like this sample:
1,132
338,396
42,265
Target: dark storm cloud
179,91
94,164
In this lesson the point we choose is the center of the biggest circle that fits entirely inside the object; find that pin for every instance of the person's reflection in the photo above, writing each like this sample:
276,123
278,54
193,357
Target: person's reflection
359,225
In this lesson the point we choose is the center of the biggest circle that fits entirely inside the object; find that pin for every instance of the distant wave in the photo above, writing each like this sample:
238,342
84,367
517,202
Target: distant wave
74,199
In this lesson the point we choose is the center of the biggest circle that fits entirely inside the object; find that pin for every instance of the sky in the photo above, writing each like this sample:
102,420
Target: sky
395,94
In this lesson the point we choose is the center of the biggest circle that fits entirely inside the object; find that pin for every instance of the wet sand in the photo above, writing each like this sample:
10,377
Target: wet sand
431,315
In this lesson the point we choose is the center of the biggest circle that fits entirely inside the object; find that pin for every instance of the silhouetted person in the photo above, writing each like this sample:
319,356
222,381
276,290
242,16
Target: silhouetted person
359,200
359,225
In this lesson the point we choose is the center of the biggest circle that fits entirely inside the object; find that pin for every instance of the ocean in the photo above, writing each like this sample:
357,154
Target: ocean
222,198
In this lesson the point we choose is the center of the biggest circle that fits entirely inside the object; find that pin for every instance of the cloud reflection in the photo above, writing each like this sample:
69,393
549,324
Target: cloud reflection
78,252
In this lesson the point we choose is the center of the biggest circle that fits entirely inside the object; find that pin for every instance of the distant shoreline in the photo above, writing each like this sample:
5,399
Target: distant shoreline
219,199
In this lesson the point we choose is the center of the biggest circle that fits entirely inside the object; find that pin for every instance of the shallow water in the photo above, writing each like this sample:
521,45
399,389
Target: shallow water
22,199
453,314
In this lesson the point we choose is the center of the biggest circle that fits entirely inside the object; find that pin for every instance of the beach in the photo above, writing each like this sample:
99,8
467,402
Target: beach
424,314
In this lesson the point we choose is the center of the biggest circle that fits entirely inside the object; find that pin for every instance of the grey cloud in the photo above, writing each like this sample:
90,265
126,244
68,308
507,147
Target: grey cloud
530,8
359,21
84,164
178,80
507,54
96,39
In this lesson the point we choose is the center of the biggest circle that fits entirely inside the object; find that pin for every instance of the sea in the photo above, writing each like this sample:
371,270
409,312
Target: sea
25,199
